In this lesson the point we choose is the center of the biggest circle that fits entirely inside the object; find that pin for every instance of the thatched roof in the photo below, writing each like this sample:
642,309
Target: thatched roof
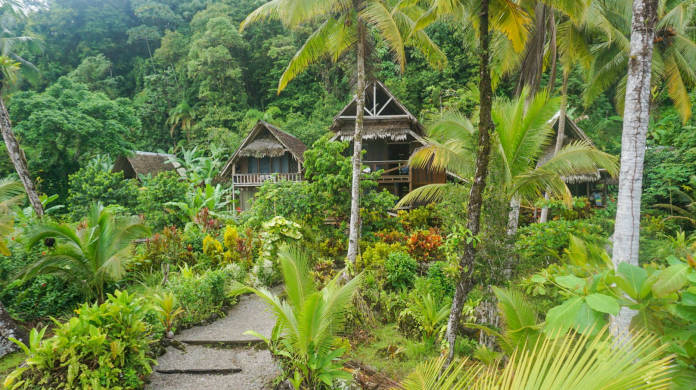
146,163
385,117
572,133
266,140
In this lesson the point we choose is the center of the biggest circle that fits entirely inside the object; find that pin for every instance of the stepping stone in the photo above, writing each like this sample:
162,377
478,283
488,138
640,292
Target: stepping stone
250,313
198,360
258,370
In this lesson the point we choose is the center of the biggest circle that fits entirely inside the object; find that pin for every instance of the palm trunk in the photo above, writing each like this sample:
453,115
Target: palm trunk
354,233
18,159
513,216
466,262
559,137
554,52
635,128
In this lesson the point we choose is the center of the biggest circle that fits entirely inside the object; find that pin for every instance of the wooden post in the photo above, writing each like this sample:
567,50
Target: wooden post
234,171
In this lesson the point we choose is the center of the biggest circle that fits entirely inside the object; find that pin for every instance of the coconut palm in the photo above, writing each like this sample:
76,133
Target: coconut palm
673,60
307,321
522,137
566,362
90,254
344,25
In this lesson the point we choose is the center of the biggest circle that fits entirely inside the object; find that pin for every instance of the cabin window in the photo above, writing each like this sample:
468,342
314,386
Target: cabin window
253,165
292,165
275,162
265,165
284,163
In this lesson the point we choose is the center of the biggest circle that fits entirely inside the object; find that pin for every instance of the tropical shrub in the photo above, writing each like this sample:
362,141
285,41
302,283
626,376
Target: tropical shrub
276,232
104,346
400,270
391,236
202,296
439,279
374,256
541,244
424,245
304,337
155,193
419,218
166,247
90,254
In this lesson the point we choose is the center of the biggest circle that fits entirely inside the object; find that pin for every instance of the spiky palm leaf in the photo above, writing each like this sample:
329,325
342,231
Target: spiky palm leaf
566,362
394,20
88,254
674,56
308,319
522,136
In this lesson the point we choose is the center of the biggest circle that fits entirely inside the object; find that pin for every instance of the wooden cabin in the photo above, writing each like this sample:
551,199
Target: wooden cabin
267,153
390,135
147,163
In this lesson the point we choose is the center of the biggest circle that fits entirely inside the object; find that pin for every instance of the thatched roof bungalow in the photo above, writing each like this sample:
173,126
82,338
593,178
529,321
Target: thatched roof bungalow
267,153
146,163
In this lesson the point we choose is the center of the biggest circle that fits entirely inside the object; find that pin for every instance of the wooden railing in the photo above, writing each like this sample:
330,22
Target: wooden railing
256,179
393,171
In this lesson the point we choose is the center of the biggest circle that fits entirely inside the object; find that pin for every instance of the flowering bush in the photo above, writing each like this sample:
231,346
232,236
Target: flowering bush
166,247
239,248
391,236
424,245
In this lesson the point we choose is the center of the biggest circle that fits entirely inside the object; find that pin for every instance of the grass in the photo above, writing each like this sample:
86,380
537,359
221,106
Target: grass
391,353
9,363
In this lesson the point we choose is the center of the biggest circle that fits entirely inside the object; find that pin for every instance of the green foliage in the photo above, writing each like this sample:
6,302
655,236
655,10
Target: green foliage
93,184
541,244
155,193
88,255
400,270
307,322
200,295
66,125
104,346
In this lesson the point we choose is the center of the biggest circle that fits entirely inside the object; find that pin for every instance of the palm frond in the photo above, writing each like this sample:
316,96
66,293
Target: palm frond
425,194
378,15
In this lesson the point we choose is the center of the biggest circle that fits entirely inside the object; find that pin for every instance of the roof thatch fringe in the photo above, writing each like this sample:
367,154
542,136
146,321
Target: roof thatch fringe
575,179
396,135
263,147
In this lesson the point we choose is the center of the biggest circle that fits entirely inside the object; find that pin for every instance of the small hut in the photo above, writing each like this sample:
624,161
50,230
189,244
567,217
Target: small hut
267,153
146,163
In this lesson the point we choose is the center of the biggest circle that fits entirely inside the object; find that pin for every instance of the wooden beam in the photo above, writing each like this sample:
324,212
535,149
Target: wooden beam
385,105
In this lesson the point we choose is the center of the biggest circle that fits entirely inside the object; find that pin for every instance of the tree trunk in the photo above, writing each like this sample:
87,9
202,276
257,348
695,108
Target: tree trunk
635,128
553,46
8,328
18,159
466,262
559,137
354,233
513,216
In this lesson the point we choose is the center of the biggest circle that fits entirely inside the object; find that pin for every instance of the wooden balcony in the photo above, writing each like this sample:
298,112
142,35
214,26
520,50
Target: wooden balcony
257,179
393,171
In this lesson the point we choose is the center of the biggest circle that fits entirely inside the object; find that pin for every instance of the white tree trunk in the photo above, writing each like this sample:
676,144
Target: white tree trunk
354,232
18,159
635,128
513,216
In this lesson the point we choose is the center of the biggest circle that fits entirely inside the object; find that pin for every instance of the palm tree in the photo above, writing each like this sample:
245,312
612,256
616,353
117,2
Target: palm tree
565,362
344,26
633,137
307,321
90,254
490,16
521,139
9,67
673,63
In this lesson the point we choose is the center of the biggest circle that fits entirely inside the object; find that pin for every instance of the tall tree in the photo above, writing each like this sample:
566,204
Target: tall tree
345,26
9,67
635,129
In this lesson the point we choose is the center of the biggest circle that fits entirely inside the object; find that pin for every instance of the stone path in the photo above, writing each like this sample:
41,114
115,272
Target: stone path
219,355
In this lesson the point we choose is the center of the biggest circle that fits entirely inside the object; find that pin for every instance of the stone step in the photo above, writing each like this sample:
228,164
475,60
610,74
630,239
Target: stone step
198,360
224,343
